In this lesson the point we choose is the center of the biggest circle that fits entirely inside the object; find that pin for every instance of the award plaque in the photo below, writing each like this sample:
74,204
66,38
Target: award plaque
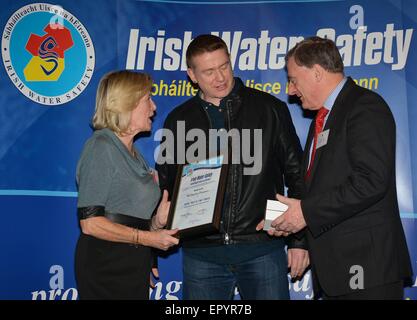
197,198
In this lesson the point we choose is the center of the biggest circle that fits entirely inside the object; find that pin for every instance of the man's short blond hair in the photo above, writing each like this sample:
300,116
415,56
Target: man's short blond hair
118,94
202,44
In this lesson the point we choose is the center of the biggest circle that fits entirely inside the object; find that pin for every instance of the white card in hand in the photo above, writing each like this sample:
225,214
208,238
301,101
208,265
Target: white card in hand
274,209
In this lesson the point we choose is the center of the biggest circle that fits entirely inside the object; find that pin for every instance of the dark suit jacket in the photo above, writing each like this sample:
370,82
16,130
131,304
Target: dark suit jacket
350,201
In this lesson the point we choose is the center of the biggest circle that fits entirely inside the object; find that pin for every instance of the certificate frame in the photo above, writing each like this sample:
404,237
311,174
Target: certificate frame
179,216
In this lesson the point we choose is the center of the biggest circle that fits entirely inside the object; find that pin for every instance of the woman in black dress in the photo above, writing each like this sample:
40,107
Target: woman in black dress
118,195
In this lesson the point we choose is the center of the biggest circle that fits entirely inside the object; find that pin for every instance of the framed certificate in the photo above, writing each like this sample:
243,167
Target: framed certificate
197,198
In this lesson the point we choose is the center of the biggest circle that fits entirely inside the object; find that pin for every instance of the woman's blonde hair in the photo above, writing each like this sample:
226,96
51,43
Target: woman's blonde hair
117,96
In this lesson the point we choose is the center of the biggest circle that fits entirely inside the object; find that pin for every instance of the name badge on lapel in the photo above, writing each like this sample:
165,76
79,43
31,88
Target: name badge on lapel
322,138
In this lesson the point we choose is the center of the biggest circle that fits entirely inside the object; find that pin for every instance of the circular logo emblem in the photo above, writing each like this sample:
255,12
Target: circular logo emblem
48,53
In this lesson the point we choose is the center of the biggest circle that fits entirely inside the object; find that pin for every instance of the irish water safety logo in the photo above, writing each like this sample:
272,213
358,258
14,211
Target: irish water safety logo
48,53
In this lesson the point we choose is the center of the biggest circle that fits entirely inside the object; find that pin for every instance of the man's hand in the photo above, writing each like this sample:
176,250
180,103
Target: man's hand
260,225
272,231
298,261
291,221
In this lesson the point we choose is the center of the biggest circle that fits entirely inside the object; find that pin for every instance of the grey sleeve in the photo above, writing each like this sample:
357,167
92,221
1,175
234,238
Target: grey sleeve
95,174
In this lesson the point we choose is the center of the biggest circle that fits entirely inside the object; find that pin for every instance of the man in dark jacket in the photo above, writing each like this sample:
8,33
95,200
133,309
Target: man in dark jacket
238,255
356,241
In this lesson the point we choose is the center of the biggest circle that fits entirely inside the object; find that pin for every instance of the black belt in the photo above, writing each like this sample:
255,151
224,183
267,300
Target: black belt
133,222
98,211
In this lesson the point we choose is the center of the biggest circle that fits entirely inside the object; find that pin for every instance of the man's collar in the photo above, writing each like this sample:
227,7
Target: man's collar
235,92
328,104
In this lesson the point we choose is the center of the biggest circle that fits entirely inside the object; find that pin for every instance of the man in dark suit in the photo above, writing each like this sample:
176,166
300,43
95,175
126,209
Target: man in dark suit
349,208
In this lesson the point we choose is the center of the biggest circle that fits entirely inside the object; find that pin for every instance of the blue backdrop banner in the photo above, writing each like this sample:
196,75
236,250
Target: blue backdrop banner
45,116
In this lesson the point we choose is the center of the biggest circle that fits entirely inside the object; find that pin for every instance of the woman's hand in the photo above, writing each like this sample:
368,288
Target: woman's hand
154,275
161,239
160,219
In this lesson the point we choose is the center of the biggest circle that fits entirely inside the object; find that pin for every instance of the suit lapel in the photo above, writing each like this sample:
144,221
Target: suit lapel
331,124
306,154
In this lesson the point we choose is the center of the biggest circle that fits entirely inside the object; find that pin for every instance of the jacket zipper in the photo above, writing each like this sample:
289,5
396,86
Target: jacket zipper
228,107
227,237
208,118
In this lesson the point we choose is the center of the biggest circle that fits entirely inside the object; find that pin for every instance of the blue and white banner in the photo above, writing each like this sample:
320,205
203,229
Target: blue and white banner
54,55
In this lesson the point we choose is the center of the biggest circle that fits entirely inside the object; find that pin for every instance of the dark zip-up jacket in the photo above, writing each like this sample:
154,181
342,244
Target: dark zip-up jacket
281,152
